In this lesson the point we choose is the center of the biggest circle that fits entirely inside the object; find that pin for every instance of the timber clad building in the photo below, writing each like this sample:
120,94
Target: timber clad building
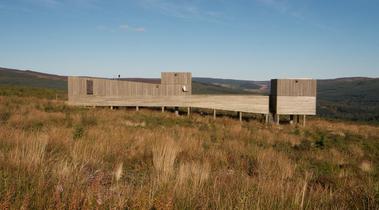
294,97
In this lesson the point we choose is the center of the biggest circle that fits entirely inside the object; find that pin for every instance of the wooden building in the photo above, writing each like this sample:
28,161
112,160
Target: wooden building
174,89
294,97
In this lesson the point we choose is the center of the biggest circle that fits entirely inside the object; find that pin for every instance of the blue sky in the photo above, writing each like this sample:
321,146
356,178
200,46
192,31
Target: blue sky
241,39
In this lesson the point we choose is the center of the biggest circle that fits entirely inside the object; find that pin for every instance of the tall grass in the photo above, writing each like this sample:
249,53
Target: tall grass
164,155
58,157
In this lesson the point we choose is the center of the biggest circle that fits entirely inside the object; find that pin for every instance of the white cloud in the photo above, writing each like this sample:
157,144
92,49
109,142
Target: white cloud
127,27
181,9
279,5
139,29
59,3
293,9
49,3
124,27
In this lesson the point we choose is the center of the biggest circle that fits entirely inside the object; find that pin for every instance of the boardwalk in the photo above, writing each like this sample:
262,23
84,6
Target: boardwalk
240,103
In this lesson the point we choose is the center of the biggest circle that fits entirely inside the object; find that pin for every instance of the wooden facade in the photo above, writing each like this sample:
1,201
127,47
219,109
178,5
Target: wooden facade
172,84
293,96
293,87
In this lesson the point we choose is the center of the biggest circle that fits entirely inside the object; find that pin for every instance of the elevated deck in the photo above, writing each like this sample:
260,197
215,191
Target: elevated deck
239,103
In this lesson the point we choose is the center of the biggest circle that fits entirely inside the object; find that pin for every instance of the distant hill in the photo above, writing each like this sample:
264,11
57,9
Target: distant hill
354,98
31,79
242,86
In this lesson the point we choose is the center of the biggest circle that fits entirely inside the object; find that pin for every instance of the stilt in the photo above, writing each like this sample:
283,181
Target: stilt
162,109
277,118
266,118
111,107
137,108
214,113
304,120
292,119
177,111
188,111
240,116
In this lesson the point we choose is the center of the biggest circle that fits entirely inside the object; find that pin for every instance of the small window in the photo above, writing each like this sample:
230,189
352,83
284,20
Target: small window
89,87
184,88
175,74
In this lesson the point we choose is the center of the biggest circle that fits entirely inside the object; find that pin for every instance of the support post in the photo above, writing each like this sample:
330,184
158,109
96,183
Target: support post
266,119
162,109
277,118
111,107
188,111
214,113
297,119
304,120
292,119
240,116
177,111
137,108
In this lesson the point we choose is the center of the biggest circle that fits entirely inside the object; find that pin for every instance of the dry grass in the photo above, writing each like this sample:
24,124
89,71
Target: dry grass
164,155
57,157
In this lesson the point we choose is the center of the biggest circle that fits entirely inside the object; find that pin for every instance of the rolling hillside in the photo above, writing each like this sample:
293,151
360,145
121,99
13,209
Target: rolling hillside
354,98
242,86
349,98
31,79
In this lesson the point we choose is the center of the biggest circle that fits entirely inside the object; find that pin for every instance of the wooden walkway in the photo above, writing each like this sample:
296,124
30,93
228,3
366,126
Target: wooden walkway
238,103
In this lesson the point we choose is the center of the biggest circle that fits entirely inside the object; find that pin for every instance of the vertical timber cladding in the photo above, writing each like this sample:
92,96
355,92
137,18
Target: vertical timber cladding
176,83
172,84
293,96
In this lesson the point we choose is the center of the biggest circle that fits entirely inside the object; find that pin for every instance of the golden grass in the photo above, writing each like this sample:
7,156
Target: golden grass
164,155
57,157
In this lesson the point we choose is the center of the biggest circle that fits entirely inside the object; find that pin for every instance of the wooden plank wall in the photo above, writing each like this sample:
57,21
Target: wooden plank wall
293,87
242,103
171,86
296,105
173,82
293,96
177,78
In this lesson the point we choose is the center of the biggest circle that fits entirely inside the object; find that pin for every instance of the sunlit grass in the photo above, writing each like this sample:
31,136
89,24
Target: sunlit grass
57,157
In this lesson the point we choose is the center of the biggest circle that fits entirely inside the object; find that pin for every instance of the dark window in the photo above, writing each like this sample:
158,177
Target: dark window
89,87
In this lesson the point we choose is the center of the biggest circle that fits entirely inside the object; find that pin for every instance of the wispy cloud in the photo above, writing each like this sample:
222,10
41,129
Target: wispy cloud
284,7
279,5
294,9
48,3
127,27
122,27
60,3
181,9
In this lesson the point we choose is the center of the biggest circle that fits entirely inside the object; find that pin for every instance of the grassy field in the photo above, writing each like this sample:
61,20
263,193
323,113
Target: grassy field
53,156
